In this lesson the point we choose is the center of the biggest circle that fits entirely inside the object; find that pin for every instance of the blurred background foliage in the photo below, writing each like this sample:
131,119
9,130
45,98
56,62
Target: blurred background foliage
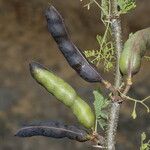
24,37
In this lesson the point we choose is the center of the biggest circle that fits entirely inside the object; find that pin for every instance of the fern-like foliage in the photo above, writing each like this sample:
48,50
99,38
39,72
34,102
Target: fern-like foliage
126,5
100,105
104,55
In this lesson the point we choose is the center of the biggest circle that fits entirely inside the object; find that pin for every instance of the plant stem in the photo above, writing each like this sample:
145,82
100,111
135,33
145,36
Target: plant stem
115,106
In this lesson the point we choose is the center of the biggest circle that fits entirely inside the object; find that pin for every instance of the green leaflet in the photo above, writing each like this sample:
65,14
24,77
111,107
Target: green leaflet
64,93
104,55
126,6
100,104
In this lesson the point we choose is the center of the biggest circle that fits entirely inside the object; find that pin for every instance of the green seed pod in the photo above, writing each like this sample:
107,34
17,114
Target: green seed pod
134,49
53,84
83,112
64,93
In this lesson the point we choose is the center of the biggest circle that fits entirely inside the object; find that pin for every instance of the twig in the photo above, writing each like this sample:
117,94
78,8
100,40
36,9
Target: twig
115,106
137,101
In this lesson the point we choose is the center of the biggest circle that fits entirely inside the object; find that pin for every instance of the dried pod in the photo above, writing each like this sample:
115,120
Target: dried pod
64,93
134,49
54,130
73,55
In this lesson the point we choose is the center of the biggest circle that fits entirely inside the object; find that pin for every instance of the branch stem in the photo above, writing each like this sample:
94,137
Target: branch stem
115,106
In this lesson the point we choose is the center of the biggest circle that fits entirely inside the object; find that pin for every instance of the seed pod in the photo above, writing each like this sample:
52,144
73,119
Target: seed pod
73,55
55,130
134,49
64,93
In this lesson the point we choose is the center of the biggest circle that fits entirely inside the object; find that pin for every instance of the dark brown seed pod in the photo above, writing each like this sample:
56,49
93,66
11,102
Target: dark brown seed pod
73,55
55,130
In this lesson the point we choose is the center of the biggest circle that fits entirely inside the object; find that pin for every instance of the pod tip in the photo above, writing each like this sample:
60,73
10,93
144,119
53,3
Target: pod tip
50,10
17,134
35,65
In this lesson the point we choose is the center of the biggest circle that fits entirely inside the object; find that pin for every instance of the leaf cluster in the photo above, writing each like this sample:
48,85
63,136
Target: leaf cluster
100,106
126,5
104,55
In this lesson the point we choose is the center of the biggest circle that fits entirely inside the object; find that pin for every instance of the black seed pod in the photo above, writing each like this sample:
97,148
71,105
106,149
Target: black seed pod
73,55
55,130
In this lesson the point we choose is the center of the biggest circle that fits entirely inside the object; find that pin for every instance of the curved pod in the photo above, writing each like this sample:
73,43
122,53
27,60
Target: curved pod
55,130
73,55
134,49
64,93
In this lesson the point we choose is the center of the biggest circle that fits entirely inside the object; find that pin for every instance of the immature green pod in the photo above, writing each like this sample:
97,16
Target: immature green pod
54,129
64,93
134,49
